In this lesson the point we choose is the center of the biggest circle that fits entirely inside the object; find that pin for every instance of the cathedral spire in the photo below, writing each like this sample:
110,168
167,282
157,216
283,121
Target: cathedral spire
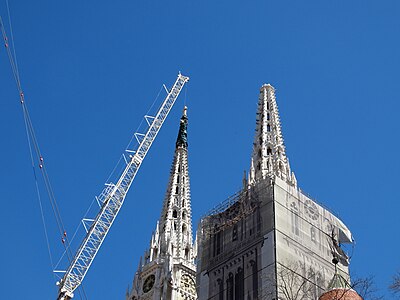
269,155
176,220
168,268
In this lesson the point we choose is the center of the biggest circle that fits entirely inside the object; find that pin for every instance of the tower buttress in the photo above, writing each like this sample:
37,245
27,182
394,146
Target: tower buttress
170,258
269,154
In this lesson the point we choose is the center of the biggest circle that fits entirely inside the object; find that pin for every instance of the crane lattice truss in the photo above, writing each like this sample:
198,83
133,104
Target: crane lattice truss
112,198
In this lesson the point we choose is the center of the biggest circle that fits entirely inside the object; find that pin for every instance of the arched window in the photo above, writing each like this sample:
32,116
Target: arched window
281,167
267,105
177,179
234,232
229,287
184,215
239,284
177,190
184,229
179,167
295,218
268,128
174,214
268,116
269,151
217,241
220,289
254,272
187,253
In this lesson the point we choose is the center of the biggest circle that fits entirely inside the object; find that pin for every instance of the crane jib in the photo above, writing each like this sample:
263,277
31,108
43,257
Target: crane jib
112,199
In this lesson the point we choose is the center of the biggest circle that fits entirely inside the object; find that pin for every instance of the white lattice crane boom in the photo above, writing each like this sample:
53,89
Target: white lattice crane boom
113,196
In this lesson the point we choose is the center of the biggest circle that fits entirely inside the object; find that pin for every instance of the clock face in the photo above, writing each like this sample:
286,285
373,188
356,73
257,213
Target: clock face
148,283
188,285
311,210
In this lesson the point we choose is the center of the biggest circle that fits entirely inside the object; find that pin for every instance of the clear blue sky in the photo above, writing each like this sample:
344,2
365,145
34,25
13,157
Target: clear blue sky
91,70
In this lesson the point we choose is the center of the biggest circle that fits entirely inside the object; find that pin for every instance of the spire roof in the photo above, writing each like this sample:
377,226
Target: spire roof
181,140
171,245
338,282
269,155
173,235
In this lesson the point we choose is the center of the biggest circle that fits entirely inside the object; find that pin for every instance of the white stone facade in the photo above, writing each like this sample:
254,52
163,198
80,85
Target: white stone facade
269,234
167,270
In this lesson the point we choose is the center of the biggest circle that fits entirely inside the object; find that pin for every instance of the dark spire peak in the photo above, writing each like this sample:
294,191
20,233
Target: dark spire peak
181,141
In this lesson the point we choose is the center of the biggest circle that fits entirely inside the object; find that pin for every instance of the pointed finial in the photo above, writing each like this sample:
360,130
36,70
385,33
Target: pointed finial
244,180
252,172
269,156
181,141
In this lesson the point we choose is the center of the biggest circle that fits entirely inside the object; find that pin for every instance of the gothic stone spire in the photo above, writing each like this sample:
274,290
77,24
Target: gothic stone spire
269,156
176,221
171,245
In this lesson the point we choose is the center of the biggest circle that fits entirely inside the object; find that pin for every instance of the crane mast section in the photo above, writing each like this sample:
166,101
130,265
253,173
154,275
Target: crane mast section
112,198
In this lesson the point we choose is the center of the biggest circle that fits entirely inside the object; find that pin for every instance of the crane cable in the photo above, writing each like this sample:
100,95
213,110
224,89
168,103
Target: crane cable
35,152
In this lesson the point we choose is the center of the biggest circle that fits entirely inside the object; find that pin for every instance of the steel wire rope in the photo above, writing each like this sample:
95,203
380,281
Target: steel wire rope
148,111
5,39
31,137
12,38
109,177
46,178
137,130
65,239
39,199
27,118
28,128
56,211
75,233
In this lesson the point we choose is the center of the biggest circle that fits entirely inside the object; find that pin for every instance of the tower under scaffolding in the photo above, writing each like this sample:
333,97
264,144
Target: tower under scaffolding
269,233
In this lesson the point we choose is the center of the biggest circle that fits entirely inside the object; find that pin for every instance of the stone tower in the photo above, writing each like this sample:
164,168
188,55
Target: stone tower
270,240
167,270
269,156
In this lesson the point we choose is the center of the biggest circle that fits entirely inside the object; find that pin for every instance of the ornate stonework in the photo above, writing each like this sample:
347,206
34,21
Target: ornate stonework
269,154
167,270
270,234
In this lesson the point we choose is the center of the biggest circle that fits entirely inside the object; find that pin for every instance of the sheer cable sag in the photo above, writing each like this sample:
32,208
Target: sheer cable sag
36,156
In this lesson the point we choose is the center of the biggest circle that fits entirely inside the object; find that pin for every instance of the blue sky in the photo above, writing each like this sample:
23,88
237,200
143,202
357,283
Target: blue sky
91,70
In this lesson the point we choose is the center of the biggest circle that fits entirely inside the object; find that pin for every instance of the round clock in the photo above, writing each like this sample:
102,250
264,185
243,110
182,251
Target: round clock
148,283
311,209
188,285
